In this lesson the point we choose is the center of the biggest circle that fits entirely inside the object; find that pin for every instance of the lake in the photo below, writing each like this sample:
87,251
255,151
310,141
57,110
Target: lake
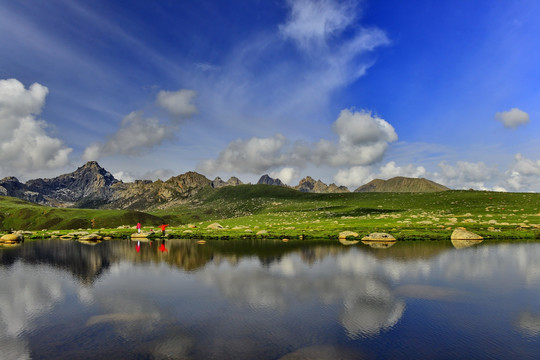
177,299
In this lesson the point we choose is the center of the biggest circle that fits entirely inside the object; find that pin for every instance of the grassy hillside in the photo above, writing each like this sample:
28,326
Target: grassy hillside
280,212
248,209
21,215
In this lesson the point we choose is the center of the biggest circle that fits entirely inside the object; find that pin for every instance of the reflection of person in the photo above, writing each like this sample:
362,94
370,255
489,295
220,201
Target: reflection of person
162,247
138,246
163,226
138,227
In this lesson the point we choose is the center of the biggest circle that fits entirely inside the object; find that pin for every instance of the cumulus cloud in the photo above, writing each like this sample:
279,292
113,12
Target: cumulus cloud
524,174
512,118
24,142
178,103
354,176
466,175
256,155
286,174
138,133
362,140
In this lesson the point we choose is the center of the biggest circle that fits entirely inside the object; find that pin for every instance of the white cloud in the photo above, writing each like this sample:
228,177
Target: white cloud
354,176
177,103
512,118
24,142
526,166
360,175
524,175
467,175
256,155
390,170
363,139
136,134
311,22
286,175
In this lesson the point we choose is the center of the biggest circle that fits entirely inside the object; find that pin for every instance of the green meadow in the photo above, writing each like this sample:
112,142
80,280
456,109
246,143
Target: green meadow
261,211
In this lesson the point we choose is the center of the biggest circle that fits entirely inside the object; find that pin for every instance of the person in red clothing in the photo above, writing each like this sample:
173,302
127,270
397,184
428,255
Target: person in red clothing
163,226
138,227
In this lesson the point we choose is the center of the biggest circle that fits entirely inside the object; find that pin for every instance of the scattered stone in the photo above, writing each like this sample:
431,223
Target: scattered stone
191,226
462,234
215,226
344,234
142,234
261,232
90,237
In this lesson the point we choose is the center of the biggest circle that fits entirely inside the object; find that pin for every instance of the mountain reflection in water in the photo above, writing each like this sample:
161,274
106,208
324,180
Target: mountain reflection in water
268,299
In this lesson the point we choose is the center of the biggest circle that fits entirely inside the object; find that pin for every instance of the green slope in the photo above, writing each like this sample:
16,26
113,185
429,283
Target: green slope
282,212
21,215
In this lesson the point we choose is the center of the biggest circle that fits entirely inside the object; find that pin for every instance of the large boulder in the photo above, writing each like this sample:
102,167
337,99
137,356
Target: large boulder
215,226
14,237
462,234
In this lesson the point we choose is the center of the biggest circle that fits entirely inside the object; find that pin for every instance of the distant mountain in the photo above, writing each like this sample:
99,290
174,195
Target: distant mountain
267,180
308,184
89,183
91,186
402,184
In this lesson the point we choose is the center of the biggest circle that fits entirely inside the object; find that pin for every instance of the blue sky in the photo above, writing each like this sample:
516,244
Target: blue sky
343,91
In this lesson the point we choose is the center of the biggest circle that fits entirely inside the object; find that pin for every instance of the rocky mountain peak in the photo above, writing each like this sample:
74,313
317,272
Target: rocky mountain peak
308,184
233,181
267,180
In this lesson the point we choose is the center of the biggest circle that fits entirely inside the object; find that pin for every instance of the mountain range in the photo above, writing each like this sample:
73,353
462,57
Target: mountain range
91,186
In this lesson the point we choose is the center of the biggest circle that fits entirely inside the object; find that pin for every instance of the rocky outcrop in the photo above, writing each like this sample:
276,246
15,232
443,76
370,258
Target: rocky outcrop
308,184
218,182
234,181
267,180
401,184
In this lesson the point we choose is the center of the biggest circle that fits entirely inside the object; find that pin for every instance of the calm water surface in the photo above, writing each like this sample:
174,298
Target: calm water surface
269,300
